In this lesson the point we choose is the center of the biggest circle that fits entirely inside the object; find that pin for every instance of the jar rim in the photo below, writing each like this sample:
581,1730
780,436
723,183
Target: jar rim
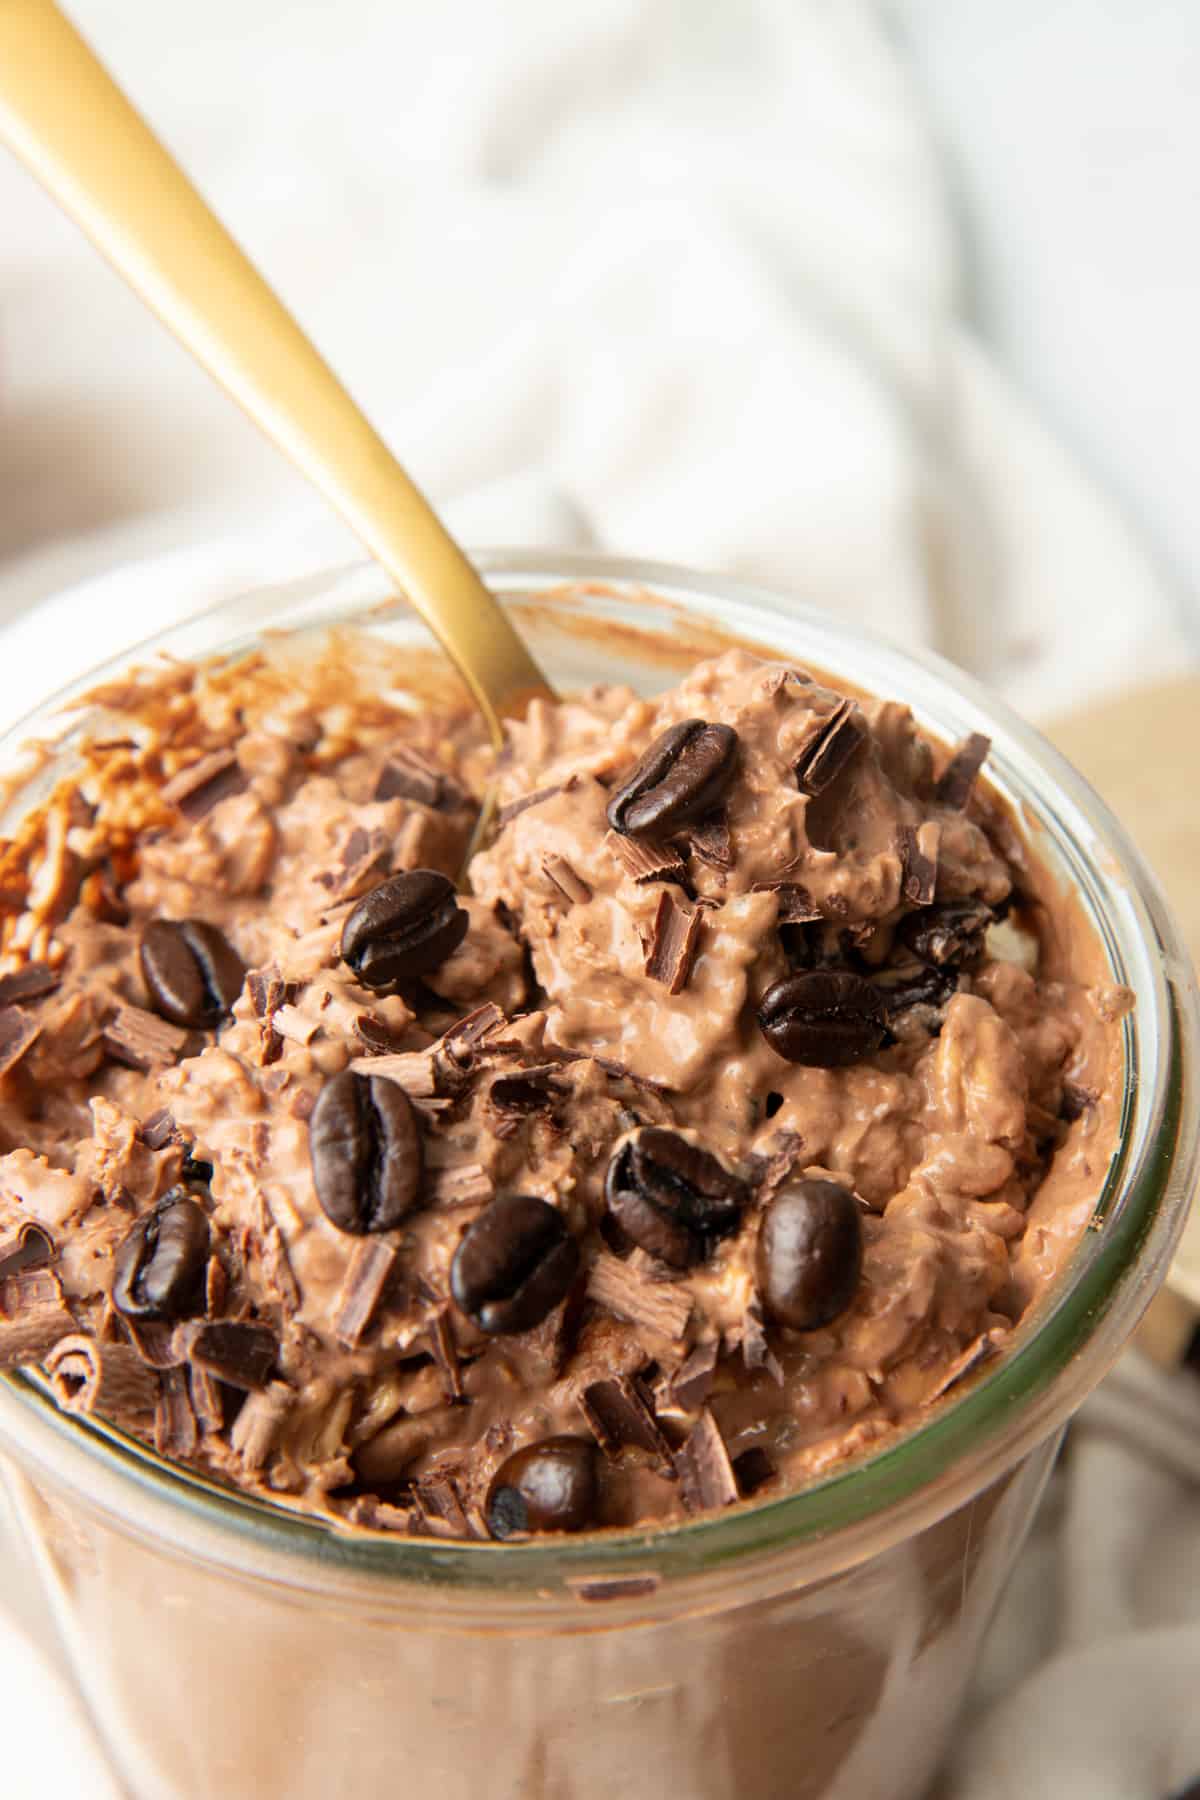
1056,1354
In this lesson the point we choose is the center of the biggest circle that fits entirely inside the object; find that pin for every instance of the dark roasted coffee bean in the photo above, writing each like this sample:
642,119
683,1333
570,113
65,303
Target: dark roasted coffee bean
826,1018
192,974
810,1247
682,776
672,1198
364,1143
549,1486
514,1264
404,928
947,935
160,1264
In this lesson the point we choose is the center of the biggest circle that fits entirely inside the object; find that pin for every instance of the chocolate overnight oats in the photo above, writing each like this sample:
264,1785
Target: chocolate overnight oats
724,1120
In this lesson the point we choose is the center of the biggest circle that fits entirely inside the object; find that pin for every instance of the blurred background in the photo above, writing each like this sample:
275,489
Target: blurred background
892,304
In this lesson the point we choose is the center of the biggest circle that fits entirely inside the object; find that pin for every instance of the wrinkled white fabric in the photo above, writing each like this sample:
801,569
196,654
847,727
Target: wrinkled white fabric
657,278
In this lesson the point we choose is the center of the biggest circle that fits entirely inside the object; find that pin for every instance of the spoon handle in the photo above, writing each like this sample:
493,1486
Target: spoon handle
72,126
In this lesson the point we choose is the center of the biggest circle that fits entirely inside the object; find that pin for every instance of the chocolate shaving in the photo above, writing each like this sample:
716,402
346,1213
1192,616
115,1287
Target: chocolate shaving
371,1513
259,1424
269,991
444,1351
18,1034
276,1263
176,1430
918,853
369,1271
208,1400
33,982
197,789
657,1306
693,1383
239,1353
409,775
571,886
647,858
155,1343
756,1351
440,1505
706,1477
828,747
752,1470
375,1034
464,1184
413,1070
958,777
529,1092
612,1587
709,841
291,1022
796,904
159,1130
459,1044
30,1247
973,1357
142,1040
673,944
620,1417
33,1317
109,1379
516,807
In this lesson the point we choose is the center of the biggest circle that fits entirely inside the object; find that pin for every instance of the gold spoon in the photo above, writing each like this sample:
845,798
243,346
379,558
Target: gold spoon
66,119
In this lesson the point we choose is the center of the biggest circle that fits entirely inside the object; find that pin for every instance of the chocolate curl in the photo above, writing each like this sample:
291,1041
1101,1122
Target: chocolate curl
109,1379
657,1306
33,1317
30,1247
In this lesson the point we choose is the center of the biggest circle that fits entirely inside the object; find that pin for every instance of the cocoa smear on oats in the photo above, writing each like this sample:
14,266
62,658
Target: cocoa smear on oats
604,982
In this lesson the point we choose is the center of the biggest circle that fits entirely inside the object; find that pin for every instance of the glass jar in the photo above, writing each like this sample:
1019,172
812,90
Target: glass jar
811,1647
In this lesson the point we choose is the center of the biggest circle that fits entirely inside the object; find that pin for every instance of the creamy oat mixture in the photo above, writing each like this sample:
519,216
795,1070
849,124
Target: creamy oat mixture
714,1133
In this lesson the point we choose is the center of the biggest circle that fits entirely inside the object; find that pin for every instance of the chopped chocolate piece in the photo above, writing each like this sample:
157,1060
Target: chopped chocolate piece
159,1130
673,944
29,1247
109,1379
33,982
1076,1101
796,904
463,1184
693,1382
752,1470
657,1306
459,1044
366,858
440,1504
647,859
973,1357
958,777
269,991
143,1040
176,1431
445,1352
408,775
621,1417
259,1424
18,1034
918,853
368,1274
706,1477
198,788
239,1353
709,840
613,1587
516,807
570,885
208,1400
756,1351
33,1317
828,747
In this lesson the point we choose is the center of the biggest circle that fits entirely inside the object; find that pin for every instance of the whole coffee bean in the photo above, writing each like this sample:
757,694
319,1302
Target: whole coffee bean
160,1264
403,928
809,1259
514,1264
366,1151
549,1486
192,974
682,776
948,935
826,1018
672,1198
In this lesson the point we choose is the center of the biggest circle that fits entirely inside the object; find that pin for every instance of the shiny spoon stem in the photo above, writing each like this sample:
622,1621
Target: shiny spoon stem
71,125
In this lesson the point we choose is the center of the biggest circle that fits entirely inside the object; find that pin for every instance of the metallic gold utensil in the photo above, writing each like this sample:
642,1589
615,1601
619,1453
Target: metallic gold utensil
71,125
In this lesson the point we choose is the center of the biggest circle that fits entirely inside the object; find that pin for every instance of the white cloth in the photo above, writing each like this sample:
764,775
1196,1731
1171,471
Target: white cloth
662,278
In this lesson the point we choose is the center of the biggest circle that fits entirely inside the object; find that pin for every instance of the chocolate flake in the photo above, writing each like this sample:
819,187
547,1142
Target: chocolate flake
30,1247
796,904
613,1587
673,943
444,1351
570,885
459,1044
516,807
240,1353
366,1277
269,991
142,1040
33,1317
706,1477
440,1505
259,1424
647,858
18,1034
756,1351
526,1092
958,777
621,1417
198,788
973,1357
408,775
109,1379
918,853
709,840
159,1130
366,858
276,1263
33,982
176,1430
622,1289
693,1383
208,1400
828,747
